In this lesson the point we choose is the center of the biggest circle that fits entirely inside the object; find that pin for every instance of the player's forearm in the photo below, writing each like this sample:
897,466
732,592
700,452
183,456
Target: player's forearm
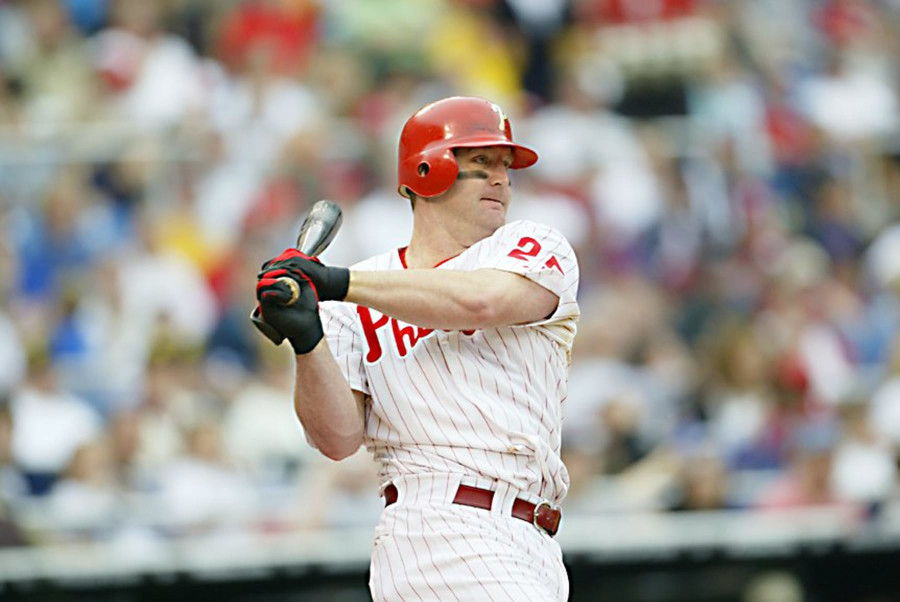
447,299
331,415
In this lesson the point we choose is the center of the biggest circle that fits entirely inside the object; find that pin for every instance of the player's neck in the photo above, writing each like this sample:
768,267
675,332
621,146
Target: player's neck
439,233
432,243
426,252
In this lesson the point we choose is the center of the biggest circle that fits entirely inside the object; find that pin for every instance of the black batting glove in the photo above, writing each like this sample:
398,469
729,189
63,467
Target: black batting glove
329,283
299,322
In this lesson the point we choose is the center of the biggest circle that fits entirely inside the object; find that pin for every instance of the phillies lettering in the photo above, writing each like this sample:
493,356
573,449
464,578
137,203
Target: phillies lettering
404,336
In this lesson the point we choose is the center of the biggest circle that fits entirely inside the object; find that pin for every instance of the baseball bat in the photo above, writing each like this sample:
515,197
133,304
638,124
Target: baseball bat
316,232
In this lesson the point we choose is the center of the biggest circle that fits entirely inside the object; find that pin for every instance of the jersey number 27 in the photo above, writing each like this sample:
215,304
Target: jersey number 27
528,248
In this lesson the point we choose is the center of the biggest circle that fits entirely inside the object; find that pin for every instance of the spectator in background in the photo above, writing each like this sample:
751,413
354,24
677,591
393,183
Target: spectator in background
57,76
803,304
338,496
105,353
85,502
199,491
469,50
864,469
596,156
807,481
124,434
260,433
674,246
536,26
49,424
835,224
726,104
281,33
173,401
151,78
849,104
257,112
738,401
162,290
701,483
233,339
56,240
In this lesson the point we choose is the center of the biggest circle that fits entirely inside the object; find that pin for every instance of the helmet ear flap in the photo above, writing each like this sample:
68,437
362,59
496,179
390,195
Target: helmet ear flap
431,172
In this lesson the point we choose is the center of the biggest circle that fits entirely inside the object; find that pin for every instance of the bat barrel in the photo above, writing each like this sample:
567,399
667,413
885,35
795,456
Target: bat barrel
319,228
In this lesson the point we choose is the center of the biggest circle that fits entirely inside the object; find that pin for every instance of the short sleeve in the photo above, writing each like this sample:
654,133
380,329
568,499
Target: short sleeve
542,255
345,342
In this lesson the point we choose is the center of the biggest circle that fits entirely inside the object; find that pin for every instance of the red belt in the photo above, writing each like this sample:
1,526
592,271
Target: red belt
542,515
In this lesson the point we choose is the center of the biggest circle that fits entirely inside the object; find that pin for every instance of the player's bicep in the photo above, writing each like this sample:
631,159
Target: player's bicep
519,299
544,259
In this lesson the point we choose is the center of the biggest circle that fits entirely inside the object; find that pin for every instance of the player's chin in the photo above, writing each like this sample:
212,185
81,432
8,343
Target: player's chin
493,220
493,208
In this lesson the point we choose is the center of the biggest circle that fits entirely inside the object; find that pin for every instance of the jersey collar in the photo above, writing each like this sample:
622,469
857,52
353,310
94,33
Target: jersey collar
401,252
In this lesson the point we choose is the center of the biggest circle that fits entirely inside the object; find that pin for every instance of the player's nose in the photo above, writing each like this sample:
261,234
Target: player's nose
498,174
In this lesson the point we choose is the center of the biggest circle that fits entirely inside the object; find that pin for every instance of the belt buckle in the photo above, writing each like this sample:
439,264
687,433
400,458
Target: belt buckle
536,514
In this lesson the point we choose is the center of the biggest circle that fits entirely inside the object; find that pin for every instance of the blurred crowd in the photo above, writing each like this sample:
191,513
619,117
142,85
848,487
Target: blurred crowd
728,172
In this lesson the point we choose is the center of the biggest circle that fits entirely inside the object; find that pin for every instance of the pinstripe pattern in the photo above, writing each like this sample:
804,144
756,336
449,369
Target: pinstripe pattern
427,548
485,404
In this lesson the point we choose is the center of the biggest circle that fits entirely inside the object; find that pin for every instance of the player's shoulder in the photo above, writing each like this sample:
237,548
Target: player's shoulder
523,239
525,227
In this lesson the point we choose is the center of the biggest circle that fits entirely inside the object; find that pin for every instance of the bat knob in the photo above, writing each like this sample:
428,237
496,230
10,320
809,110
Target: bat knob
294,288
272,334
256,317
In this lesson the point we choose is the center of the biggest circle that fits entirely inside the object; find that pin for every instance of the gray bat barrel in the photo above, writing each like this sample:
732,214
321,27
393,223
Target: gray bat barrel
319,228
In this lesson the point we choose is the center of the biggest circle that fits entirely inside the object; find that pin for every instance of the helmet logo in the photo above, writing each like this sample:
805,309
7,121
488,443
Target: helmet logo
496,108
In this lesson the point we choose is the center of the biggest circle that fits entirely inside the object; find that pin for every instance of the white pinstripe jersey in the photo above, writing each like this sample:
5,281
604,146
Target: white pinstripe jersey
485,403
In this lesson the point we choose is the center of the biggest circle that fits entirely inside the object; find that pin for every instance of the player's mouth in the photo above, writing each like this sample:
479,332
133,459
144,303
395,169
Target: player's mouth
492,200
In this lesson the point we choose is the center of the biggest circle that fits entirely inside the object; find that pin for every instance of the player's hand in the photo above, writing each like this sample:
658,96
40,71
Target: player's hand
328,283
299,322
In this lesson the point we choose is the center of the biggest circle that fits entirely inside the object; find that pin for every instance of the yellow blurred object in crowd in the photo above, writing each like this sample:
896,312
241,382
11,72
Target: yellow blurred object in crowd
475,56
180,234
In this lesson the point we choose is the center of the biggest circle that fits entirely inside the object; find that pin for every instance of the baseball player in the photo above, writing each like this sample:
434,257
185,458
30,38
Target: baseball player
448,359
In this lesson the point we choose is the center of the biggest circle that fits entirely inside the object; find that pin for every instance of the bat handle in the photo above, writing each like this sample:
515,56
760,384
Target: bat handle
294,288
256,317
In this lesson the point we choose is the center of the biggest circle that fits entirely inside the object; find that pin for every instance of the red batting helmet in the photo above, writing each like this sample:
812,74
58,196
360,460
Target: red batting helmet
427,166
